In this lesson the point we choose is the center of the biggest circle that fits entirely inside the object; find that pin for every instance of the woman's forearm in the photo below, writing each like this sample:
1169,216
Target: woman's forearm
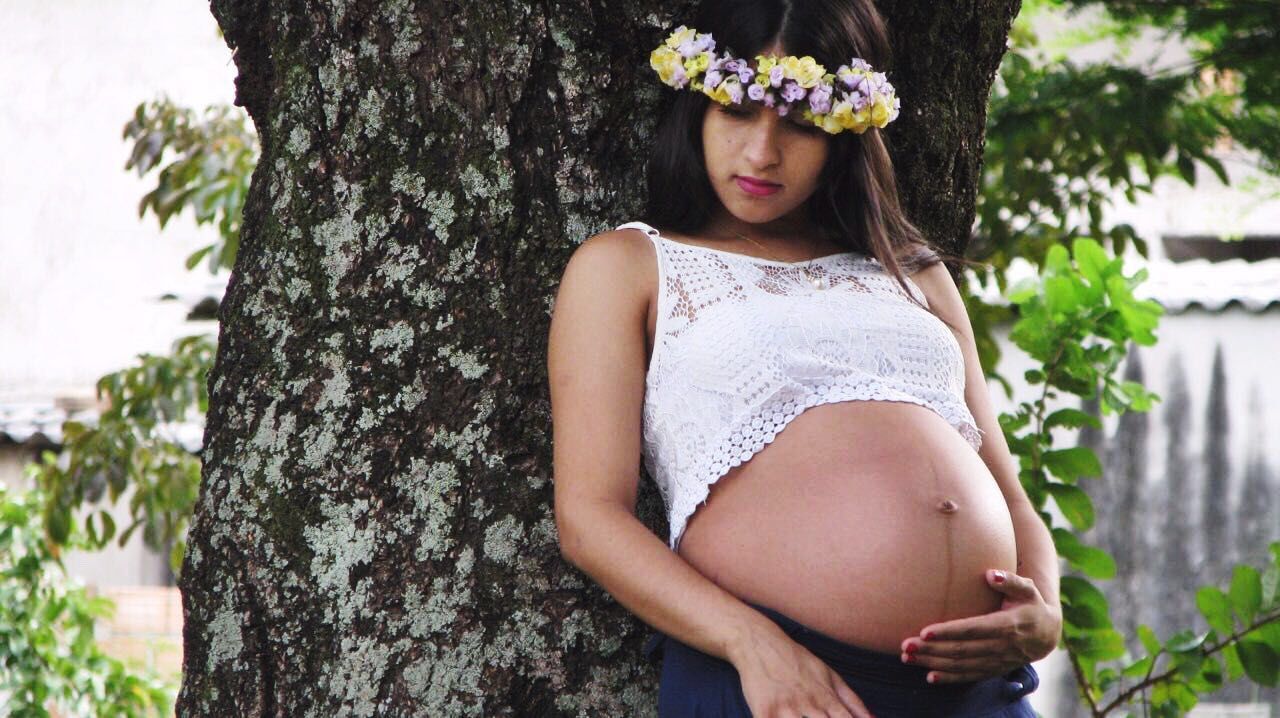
637,568
1037,557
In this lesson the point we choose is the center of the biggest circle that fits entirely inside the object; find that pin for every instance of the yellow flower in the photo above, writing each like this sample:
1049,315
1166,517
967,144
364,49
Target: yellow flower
763,66
861,120
698,63
665,62
719,94
842,115
680,35
804,70
880,111
830,124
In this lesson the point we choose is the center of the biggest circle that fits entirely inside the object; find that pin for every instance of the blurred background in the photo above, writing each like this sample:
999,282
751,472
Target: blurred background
124,169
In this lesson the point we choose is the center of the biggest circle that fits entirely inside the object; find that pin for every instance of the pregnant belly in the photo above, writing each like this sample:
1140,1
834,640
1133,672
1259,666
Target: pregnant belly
865,520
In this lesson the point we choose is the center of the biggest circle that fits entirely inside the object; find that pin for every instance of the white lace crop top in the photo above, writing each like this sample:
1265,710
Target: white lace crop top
744,345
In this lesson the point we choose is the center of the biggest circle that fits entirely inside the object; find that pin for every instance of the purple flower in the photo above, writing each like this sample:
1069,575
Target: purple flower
756,92
792,92
783,110
700,43
679,77
769,99
713,78
820,98
775,75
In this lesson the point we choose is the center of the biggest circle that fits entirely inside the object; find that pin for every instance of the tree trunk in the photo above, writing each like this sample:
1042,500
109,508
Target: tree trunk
374,534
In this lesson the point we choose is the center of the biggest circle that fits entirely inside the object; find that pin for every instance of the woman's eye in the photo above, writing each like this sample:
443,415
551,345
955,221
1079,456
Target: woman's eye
735,111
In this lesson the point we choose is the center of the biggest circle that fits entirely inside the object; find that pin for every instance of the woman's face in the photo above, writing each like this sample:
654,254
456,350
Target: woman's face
752,141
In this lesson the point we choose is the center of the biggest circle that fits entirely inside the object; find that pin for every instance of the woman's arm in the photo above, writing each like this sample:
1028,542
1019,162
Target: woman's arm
596,369
1037,557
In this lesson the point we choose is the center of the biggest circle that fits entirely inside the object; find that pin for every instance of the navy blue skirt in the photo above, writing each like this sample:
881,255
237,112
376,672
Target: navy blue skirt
698,685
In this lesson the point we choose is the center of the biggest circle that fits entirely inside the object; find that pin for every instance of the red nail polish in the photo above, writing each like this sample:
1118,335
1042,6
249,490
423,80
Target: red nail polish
912,648
911,658
929,636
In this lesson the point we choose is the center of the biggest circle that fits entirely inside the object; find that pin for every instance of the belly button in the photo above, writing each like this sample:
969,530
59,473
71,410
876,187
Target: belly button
947,506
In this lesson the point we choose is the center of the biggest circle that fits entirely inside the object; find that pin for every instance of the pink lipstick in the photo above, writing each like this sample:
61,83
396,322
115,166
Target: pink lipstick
756,187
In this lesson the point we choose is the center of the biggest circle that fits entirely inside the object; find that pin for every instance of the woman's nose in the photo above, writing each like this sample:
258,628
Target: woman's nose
762,141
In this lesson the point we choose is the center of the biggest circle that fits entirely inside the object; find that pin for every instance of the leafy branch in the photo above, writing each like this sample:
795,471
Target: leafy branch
47,652
1076,320
216,157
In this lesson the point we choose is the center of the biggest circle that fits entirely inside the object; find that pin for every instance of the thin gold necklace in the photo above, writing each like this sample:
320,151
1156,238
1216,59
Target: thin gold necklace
819,282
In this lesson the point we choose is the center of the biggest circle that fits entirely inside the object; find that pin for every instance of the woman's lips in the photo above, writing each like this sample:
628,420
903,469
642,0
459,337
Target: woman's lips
756,188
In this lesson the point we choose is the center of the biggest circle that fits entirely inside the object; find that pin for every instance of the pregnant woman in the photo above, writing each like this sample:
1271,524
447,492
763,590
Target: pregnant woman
795,367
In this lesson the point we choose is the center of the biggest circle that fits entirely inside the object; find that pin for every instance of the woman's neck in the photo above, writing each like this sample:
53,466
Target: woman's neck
794,228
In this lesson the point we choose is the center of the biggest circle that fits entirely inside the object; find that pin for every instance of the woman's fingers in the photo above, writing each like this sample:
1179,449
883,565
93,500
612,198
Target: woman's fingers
980,666
953,649
962,676
851,701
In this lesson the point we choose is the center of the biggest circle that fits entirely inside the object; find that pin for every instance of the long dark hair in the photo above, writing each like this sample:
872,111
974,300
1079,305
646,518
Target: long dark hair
856,204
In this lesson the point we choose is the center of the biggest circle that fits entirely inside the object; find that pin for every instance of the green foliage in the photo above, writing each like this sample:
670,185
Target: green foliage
216,157
129,449
1076,320
1063,138
48,656
1237,35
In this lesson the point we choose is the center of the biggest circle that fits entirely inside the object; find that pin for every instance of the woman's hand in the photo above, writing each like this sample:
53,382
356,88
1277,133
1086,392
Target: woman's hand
1024,629
782,679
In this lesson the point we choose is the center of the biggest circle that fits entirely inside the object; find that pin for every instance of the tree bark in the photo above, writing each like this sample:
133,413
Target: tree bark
374,534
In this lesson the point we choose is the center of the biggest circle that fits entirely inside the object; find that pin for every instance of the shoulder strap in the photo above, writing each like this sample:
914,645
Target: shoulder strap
640,226
654,238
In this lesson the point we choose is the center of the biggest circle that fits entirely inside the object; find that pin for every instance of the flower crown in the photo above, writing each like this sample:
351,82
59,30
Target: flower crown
854,98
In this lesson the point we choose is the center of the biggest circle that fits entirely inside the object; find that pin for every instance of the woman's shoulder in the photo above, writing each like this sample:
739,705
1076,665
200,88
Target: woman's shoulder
615,261
618,245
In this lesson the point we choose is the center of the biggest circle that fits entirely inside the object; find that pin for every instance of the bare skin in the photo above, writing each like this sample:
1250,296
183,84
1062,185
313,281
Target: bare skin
865,520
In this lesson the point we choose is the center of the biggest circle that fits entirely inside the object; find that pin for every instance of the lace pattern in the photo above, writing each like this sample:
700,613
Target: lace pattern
744,345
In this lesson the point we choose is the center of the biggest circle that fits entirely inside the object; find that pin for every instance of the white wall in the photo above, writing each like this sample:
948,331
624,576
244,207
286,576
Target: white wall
79,271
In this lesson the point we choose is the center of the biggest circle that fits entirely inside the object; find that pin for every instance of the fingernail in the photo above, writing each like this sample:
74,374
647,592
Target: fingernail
912,648
911,658
929,678
929,636
999,577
